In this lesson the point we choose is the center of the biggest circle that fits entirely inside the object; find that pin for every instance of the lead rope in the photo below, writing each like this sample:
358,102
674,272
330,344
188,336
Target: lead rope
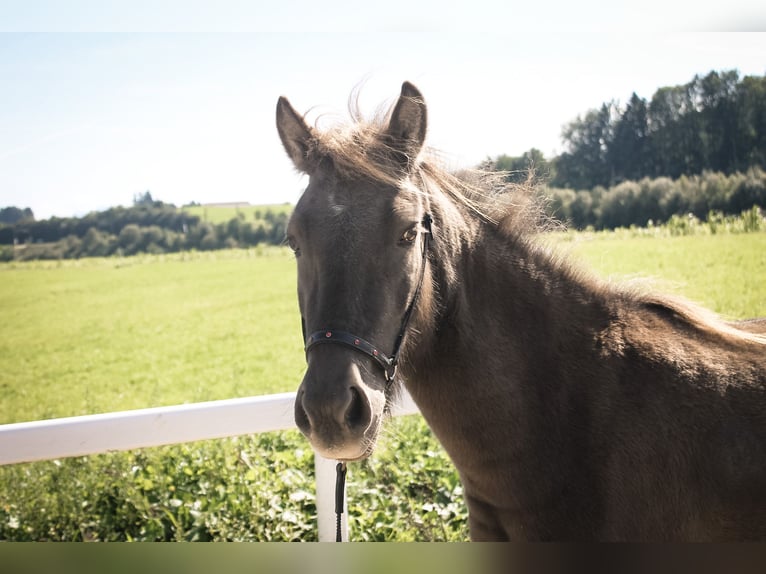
340,488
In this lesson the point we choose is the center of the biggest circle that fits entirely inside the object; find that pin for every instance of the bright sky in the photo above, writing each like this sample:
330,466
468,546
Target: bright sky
88,119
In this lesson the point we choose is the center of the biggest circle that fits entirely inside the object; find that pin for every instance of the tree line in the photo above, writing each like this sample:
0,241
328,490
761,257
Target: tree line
712,123
148,226
715,123
693,148
655,200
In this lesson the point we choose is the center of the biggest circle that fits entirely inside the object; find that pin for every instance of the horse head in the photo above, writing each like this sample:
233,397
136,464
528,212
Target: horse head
360,236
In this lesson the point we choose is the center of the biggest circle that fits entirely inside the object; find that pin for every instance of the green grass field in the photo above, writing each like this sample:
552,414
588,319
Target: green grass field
99,335
726,273
224,214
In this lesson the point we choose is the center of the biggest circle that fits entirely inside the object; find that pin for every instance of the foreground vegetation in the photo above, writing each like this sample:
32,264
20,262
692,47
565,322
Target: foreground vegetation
96,335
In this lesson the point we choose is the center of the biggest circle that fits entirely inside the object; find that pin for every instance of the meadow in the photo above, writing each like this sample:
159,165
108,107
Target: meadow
97,335
725,273
149,330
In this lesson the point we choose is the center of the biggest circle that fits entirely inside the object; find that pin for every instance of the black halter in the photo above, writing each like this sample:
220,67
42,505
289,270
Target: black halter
387,362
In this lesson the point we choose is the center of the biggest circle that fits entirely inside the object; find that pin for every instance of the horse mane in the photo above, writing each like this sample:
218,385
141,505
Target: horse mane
360,148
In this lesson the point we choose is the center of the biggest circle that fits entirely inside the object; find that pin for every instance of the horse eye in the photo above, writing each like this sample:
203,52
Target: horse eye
410,235
292,244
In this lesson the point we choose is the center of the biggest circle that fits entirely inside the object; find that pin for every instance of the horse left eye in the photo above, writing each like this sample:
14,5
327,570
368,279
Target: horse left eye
410,235
294,245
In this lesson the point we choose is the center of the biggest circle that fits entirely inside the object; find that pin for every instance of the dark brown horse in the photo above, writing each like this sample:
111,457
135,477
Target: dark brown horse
573,409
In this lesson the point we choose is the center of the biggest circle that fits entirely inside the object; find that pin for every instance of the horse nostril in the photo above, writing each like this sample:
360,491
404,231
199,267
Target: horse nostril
301,416
358,411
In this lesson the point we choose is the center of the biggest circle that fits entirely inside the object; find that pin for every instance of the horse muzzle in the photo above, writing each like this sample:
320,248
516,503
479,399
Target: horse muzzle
339,414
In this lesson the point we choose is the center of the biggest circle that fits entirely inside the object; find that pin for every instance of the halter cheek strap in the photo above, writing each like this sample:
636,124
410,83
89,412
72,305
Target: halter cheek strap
387,362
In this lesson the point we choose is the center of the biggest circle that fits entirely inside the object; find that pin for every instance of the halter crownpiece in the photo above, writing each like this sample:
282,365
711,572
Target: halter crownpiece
387,362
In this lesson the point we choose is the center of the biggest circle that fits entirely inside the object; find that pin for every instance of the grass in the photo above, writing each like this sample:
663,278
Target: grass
726,273
123,333
98,335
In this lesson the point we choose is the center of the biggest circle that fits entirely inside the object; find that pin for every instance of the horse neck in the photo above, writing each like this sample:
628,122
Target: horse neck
500,297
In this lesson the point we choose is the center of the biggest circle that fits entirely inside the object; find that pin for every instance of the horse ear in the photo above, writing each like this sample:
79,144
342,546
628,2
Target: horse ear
407,126
295,134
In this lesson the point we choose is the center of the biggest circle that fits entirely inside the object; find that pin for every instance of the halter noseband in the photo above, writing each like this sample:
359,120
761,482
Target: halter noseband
387,362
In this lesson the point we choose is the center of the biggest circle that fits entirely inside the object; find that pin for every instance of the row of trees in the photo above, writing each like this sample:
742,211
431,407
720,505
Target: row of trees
713,123
716,122
147,227
654,200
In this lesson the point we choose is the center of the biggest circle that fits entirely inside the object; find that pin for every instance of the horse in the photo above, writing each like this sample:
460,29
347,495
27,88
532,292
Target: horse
573,408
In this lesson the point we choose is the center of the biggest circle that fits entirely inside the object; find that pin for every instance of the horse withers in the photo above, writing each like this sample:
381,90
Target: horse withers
573,409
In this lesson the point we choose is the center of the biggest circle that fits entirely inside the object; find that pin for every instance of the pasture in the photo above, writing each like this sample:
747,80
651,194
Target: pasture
725,273
97,335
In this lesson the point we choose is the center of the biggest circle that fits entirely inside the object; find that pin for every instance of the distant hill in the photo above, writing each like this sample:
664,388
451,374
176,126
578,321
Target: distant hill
226,211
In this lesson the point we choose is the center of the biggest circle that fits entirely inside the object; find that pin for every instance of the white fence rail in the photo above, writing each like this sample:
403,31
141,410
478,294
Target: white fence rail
142,428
